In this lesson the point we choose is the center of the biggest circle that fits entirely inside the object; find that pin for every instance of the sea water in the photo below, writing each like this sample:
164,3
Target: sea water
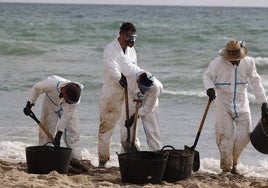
174,43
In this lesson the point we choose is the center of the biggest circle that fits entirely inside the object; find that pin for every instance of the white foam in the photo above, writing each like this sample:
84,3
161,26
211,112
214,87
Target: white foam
15,152
261,60
212,165
93,157
185,93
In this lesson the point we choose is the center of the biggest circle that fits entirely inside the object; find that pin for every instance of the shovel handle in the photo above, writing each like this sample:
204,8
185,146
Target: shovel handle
126,102
32,115
134,133
201,125
127,112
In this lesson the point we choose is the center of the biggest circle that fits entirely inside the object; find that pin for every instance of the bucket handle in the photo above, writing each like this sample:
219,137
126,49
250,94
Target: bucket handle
165,154
48,143
167,146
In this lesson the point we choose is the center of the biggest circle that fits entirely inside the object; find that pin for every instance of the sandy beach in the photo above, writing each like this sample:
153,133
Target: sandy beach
15,175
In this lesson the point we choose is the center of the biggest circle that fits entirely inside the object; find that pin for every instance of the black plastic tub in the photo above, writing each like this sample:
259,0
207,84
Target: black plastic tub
142,167
259,136
179,164
44,159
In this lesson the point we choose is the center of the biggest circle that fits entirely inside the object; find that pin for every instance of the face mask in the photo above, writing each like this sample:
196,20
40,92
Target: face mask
236,62
69,101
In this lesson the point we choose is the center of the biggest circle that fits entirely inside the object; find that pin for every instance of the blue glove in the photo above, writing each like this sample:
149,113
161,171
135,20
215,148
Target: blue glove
264,109
211,94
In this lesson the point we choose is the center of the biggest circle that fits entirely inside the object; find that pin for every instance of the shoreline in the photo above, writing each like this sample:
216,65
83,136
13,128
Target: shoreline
14,174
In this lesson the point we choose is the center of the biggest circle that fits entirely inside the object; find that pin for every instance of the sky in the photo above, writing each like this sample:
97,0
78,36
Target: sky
229,3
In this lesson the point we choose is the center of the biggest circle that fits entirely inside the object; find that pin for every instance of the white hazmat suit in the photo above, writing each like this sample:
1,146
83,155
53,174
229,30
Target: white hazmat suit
148,111
116,61
233,117
57,114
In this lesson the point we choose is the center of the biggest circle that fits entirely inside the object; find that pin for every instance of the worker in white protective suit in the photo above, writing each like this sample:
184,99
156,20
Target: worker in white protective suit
226,81
147,88
59,111
119,53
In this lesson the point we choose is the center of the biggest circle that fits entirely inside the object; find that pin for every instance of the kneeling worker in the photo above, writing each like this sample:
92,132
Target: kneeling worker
147,88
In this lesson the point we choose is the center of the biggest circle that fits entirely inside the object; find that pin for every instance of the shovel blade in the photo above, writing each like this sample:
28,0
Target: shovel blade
196,163
129,147
126,146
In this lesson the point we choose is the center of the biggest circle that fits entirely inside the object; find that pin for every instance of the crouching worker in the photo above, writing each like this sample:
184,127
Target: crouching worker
147,88
59,111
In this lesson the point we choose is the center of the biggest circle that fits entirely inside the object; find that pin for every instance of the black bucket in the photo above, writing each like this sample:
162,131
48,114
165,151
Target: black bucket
179,164
43,159
142,167
259,136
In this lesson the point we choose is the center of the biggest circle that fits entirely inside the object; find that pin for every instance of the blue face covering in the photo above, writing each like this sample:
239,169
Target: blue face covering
145,88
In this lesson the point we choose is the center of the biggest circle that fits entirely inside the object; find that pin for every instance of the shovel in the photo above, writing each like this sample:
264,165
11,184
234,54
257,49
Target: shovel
127,145
32,115
134,133
196,163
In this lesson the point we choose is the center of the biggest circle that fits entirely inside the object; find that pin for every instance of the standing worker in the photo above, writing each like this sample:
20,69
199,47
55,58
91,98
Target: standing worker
226,81
119,52
59,111
147,88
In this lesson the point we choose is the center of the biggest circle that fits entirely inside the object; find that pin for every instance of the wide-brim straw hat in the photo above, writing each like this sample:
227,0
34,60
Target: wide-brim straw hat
235,50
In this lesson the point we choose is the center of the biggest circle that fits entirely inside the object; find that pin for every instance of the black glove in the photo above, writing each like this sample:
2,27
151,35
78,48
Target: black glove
57,139
130,121
264,109
27,109
123,81
211,94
